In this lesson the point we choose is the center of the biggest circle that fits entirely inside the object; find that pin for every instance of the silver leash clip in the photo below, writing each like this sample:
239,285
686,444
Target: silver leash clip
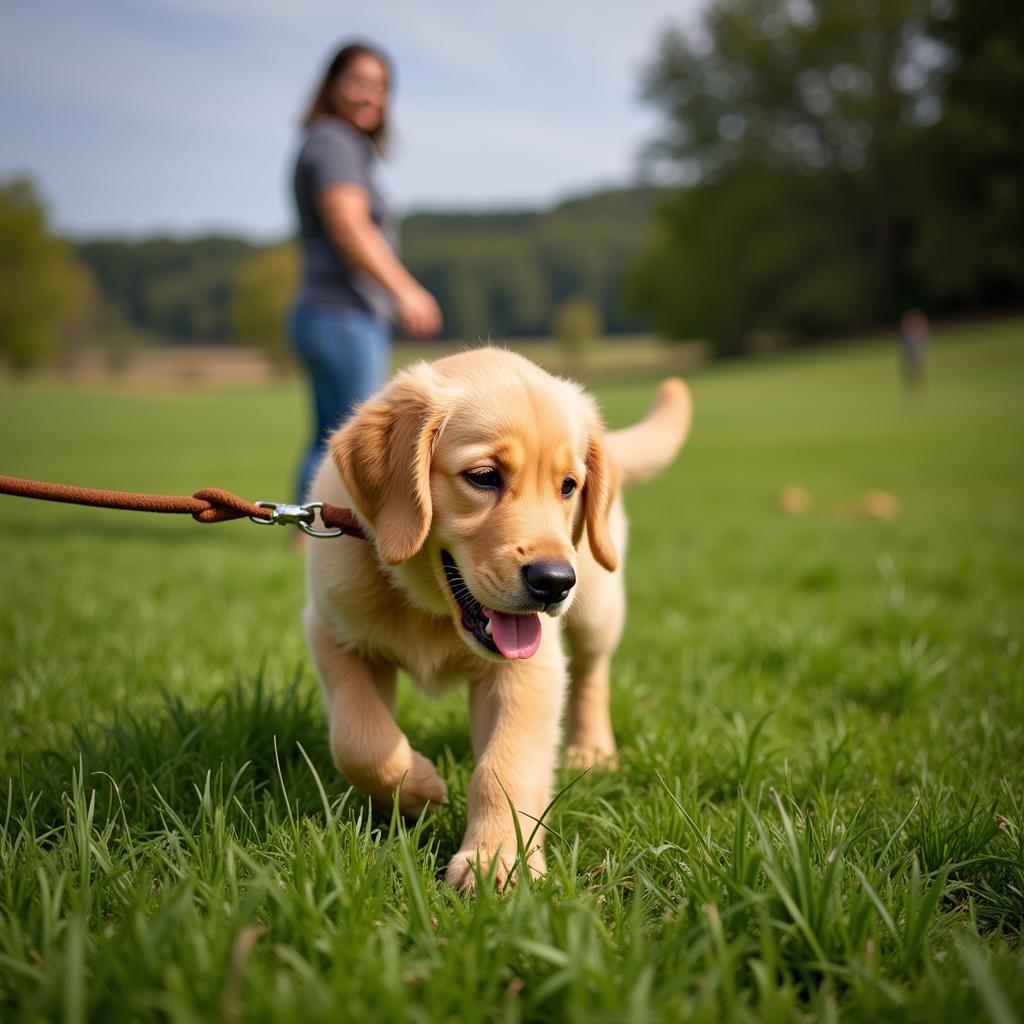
302,516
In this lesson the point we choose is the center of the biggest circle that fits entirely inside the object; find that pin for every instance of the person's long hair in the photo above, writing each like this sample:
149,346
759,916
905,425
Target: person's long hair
323,106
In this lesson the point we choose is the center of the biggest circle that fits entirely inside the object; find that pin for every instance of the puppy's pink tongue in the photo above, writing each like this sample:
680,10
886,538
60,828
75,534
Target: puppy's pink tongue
516,636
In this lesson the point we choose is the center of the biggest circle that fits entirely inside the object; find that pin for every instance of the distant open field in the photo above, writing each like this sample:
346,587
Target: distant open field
820,807
168,366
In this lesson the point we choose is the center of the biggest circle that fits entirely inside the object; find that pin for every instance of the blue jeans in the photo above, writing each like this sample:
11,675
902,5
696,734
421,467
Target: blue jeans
346,352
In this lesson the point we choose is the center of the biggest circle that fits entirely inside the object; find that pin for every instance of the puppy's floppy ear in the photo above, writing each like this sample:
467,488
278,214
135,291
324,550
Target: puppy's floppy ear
598,494
383,454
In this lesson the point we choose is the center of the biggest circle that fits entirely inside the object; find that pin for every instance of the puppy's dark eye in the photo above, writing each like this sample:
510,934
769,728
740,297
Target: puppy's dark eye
486,479
568,487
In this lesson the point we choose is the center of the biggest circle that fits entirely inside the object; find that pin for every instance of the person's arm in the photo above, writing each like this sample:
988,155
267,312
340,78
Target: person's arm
345,211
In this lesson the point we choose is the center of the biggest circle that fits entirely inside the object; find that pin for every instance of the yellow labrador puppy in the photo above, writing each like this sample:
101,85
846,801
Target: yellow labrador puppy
490,493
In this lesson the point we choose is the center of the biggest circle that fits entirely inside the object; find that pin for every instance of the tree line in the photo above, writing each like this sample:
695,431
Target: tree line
503,274
508,274
500,274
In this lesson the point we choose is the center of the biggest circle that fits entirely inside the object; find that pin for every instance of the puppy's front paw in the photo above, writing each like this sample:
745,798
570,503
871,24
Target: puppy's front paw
461,871
404,771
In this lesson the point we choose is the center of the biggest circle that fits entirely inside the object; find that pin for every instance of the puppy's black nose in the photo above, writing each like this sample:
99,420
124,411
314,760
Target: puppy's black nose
549,581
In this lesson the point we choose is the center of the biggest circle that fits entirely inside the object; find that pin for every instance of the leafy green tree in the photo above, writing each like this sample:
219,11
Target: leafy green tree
791,121
503,274
43,290
179,289
462,293
264,286
517,295
968,170
766,252
577,325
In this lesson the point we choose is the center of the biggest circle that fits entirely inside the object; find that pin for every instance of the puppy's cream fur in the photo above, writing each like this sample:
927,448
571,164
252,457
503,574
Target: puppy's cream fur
400,461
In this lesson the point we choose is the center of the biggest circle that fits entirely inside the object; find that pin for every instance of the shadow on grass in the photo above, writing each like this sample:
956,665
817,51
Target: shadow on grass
242,754
170,750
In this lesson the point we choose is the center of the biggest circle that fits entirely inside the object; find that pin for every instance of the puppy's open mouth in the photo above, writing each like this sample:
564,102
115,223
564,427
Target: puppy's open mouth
511,636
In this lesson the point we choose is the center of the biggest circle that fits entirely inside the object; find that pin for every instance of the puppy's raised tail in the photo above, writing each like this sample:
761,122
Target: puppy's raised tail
647,447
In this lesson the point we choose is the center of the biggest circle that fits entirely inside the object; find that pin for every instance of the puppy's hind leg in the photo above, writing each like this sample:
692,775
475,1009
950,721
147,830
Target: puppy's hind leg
593,631
367,746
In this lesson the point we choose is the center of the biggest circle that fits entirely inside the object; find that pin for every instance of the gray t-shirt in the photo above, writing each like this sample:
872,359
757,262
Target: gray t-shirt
334,152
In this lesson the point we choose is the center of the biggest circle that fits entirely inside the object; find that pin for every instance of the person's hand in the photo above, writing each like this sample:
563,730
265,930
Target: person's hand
418,312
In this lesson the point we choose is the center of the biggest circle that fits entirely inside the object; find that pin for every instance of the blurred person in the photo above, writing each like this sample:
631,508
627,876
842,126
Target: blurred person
915,336
353,285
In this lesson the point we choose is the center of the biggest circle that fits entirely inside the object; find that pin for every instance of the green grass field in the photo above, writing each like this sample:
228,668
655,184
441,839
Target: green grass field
820,807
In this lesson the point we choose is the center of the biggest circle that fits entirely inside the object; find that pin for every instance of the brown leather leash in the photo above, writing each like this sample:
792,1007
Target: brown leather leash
209,505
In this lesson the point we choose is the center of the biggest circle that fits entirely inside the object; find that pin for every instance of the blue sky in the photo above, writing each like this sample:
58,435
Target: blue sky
180,115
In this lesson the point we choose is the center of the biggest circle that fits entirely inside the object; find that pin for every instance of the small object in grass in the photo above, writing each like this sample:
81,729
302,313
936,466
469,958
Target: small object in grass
794,500
878,505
